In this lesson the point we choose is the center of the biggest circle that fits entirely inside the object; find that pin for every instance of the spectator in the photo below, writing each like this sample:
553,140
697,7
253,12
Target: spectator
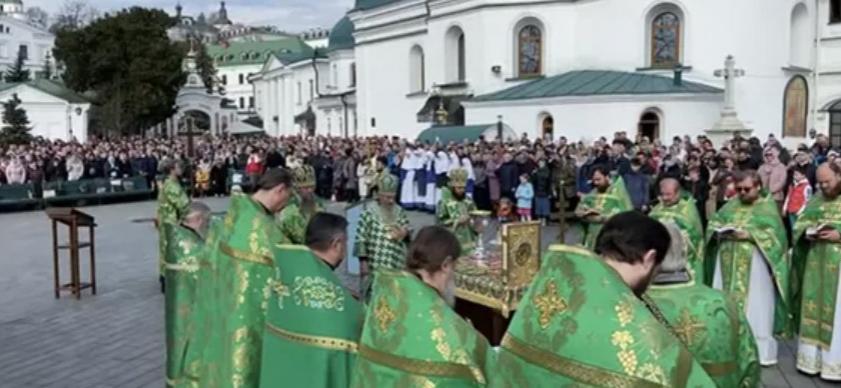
16,172
773,174
542,179
638,185
508,176
798,194
525,196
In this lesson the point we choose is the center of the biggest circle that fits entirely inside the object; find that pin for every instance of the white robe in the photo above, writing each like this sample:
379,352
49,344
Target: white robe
813,360
407,190
759,306
420,168
431,192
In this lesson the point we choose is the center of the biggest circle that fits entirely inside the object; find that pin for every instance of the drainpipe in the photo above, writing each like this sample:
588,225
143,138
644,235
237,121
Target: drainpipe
344,106
816,66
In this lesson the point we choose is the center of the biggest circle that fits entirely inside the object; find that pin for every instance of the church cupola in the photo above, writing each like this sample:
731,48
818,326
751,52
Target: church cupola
222,18
178,10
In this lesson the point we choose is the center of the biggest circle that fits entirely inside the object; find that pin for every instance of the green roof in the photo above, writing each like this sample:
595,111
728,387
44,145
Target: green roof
53,88
446,134
597,83
341,36
362,5
309,53
254,53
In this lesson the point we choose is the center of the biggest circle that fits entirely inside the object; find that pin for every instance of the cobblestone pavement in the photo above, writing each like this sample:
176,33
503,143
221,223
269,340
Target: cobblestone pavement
116,338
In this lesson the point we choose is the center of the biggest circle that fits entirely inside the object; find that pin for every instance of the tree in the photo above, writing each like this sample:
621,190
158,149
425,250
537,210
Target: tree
16,124
37,17
47,71
17,73
74,14
128,63
206,68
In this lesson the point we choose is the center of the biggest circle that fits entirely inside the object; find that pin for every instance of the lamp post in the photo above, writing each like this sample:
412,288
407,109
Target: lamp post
499,129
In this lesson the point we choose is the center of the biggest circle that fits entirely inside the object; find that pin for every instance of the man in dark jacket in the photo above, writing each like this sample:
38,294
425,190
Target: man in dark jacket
638,185
509,177
274,159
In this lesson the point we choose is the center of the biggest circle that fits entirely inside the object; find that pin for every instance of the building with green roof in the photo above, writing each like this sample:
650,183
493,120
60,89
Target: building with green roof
54,111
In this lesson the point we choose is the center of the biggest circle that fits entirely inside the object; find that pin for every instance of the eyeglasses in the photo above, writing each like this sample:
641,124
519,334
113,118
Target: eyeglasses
744,189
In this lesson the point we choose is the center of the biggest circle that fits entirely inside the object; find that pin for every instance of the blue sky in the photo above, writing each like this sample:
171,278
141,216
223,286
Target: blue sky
289,15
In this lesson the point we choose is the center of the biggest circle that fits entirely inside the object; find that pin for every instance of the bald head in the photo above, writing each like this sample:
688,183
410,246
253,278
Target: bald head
198,217
828,176
669,191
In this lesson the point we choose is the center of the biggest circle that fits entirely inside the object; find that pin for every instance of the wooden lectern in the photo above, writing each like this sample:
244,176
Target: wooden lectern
74,220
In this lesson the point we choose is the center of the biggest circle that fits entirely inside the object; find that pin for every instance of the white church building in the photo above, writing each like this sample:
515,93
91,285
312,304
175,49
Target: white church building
584,69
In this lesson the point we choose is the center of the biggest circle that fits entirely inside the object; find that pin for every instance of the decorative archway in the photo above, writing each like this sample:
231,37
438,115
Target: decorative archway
795,107
649,125
547,126
195,120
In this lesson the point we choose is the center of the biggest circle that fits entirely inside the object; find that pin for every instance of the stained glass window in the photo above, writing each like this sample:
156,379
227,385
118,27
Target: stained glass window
665,40
530,50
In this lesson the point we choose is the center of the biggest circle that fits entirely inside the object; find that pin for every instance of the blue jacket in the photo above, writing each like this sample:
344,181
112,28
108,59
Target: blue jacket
524,194
638,185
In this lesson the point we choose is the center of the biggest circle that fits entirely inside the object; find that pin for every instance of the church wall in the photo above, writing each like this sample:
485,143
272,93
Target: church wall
581,120
383,88
49,116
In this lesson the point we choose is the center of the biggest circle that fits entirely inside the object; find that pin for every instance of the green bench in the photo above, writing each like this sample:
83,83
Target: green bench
16,197
96,191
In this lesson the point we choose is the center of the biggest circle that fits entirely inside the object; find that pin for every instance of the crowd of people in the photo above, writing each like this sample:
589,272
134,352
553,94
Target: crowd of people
693,263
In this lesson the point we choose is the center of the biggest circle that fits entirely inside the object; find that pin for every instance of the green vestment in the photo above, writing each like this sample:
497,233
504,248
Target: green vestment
172,208
684,215
762,221
412,338
814,282
312,325
204,307
714,330
184,249
613,201
373,237
580,325
449,211
244,253
293,219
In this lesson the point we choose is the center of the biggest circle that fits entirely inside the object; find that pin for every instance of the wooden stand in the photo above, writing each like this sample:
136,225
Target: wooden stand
74,220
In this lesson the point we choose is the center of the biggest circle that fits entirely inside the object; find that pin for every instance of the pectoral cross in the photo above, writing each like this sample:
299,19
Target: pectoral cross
688,327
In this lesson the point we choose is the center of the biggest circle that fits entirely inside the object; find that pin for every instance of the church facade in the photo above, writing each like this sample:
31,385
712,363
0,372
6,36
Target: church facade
581,69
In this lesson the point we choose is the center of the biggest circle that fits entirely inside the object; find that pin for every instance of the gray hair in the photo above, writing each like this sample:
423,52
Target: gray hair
199,208
676,259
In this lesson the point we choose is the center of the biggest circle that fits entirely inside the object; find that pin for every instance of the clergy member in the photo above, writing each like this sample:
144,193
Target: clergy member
607,199
680,210
453,212
244,252
313,322
408,169
382,232
708,323
296,215
185,246
817,255
412,337
747,258
172,207
582,322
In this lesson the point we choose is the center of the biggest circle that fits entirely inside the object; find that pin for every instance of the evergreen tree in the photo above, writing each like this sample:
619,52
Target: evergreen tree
128,63
17,73
47,72
16,124
205,66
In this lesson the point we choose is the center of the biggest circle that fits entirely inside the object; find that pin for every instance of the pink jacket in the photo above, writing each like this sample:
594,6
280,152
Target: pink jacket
774,177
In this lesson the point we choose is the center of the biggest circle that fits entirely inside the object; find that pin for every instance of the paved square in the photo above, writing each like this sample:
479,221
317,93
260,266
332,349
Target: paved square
116,338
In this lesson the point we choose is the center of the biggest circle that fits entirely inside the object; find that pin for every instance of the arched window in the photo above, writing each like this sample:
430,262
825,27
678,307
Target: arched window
800,37
529,51
665,39
835,124
835,11
795,107
417,76
455,54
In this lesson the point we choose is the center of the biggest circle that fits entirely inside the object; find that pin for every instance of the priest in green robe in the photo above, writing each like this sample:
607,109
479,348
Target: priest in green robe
412,337
172,207
293,219
710,325
245,252
607,199
382,232
313,322
583,323
680,210
816,265
185,246
747,258
453,211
